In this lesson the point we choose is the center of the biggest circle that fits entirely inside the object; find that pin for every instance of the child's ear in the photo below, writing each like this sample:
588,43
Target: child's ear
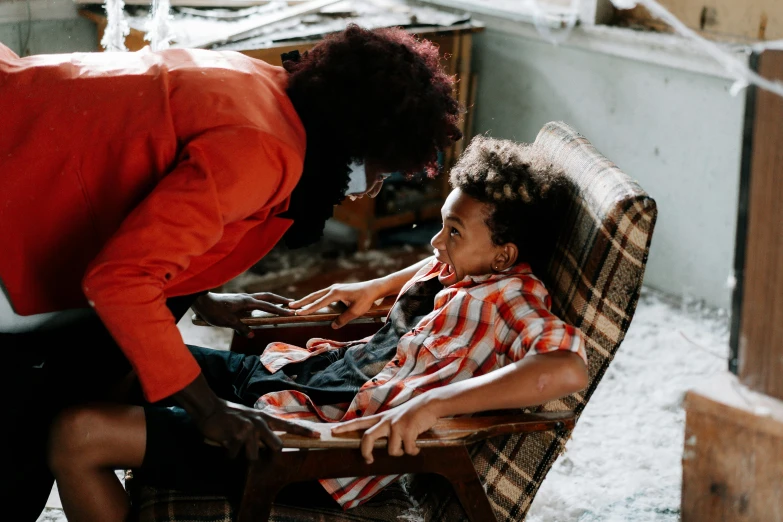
506,257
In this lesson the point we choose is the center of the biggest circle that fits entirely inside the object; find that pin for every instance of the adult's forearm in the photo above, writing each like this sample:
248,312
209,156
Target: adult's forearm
533,380
197,398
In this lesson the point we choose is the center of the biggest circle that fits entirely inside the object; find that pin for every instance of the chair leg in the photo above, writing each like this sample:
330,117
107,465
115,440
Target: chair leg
274,470
467,485
261,488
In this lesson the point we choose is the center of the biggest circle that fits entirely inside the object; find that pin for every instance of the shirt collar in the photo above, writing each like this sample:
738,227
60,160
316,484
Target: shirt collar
515,270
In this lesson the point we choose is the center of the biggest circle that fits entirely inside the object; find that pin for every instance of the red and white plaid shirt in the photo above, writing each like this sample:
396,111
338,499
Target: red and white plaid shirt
479,324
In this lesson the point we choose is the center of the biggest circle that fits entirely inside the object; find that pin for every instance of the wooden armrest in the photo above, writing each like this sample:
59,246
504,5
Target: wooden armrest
326,315
447,432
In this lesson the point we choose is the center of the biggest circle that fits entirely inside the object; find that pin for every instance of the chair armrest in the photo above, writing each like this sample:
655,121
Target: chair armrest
458,431
376,314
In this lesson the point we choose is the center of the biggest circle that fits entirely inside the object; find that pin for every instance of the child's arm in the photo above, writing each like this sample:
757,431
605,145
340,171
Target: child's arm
359,297
533,380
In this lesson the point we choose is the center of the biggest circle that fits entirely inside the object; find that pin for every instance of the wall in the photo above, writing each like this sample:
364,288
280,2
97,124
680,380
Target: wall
50,26
677,132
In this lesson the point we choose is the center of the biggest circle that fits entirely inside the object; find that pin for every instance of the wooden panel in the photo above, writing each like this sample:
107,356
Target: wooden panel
760,340
749,19
729,20
732,456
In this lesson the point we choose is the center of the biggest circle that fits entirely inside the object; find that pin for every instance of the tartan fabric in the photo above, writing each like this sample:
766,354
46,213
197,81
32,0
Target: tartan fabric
594,277
156,505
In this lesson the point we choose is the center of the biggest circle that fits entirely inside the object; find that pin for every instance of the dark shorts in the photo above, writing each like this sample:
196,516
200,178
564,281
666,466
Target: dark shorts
177,457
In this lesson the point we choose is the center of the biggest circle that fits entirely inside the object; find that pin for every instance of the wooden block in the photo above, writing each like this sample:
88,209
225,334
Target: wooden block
733,454
725,20
747,20
760,336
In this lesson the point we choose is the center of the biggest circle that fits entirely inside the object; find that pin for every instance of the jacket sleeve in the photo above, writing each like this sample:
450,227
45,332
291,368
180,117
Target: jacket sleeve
221,176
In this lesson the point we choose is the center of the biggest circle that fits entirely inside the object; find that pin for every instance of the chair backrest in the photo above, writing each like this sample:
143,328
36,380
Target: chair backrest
594,277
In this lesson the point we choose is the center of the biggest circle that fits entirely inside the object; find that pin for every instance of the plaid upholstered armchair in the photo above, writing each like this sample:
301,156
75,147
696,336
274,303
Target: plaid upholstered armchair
594,277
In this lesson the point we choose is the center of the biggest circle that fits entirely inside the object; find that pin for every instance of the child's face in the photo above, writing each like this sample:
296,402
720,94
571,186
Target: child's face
464,243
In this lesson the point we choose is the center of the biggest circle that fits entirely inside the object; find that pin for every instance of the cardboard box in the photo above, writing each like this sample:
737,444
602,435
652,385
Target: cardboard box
731,19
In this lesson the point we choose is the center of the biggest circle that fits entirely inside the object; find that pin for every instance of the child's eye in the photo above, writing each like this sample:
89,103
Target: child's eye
454,231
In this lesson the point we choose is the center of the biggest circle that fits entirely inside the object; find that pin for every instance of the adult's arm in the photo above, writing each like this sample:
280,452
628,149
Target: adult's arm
223,175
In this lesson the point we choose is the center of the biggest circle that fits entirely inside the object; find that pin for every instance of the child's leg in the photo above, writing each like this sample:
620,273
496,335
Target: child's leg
86,445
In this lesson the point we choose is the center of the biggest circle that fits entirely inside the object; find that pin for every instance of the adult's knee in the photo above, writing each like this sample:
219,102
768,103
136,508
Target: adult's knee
74,438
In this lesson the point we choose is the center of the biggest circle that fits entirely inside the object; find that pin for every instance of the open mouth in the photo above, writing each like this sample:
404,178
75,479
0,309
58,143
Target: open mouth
448,275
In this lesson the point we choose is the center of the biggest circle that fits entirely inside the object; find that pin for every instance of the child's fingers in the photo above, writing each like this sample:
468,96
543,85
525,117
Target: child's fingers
306,300
322,302
370,436
346,317
356,425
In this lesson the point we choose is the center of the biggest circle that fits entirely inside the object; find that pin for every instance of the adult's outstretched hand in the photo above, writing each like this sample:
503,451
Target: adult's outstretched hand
225,310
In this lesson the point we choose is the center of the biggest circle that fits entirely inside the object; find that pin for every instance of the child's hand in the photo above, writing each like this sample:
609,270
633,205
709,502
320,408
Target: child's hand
358,297
400,425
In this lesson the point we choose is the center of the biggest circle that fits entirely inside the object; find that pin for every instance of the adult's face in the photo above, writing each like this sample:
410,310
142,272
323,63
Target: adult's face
374,178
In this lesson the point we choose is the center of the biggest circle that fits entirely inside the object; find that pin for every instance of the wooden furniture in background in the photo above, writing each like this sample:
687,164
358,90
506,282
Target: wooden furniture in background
455,44
734,426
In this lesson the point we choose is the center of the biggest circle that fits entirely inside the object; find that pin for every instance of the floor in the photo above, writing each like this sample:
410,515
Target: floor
623,461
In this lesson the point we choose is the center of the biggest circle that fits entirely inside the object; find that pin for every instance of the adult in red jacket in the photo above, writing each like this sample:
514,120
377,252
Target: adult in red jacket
133,183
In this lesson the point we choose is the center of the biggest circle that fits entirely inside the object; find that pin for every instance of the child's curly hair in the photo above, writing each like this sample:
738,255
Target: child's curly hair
362,94
523,190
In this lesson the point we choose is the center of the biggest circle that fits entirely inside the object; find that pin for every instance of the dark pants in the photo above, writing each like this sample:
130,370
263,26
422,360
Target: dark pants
42,373
176,456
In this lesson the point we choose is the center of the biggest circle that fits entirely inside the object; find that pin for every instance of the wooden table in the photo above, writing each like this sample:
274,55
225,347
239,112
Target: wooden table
364,215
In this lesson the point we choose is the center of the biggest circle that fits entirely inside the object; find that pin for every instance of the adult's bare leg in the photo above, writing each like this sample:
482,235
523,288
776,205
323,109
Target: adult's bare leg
87,444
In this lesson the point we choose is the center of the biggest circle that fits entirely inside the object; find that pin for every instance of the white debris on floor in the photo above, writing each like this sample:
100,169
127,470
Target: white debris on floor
623,461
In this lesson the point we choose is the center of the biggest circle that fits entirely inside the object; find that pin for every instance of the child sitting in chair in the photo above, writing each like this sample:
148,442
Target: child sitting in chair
470,331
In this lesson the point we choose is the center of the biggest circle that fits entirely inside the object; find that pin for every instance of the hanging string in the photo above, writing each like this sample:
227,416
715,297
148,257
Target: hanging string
159,33
554,23
116,26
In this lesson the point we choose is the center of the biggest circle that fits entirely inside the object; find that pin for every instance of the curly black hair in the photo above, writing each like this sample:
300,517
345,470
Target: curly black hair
524,191
379,95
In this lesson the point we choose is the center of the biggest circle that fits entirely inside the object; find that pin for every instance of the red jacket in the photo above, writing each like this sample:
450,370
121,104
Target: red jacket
127,178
